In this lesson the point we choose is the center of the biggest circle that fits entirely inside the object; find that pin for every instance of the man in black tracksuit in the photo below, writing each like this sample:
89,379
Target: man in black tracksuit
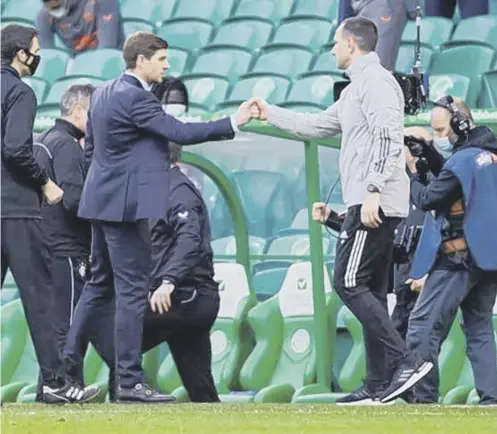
59,151
24,183
184,298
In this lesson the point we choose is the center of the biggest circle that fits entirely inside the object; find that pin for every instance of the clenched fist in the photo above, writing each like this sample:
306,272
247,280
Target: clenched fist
320,212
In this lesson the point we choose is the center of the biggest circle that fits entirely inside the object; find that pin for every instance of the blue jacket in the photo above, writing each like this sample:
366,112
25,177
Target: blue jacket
126,148
474,167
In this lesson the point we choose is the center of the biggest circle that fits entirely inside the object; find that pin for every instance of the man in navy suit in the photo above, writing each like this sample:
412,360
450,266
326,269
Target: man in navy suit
128,171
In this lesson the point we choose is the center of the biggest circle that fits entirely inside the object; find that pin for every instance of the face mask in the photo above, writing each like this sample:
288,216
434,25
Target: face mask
34,64
174,109
444,147
59,12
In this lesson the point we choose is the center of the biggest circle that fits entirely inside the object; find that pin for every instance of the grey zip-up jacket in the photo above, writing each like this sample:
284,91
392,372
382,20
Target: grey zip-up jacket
370,116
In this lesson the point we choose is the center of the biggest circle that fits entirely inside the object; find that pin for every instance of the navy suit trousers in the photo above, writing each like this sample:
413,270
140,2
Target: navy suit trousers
120,265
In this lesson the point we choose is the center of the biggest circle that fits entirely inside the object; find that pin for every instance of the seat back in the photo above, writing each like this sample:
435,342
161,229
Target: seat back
252,33
223,59
271,9
307,32
206,89
451,84
270,87
189,34
154,11
53,64
213,10
287,59
488,98
481,28
105,63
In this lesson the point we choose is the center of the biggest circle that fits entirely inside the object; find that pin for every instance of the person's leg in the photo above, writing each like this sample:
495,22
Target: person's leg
405,299
129,251
25,252
359,254
440,8
390,18
430,322
478,326
472,8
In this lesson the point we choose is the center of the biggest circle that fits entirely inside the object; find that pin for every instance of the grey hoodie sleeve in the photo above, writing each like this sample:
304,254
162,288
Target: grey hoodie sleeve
311,125
382,105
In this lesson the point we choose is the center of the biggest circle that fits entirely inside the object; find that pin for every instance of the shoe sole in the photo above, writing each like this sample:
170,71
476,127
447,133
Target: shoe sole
367,401
130,401
424,369
57,399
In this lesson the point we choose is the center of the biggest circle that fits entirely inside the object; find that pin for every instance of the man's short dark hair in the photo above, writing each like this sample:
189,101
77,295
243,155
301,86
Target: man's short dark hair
363,31
76,94
144,43
14,39
174,152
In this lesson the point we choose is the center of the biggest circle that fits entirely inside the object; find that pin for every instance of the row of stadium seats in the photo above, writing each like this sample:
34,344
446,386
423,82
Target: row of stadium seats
222,76
261,352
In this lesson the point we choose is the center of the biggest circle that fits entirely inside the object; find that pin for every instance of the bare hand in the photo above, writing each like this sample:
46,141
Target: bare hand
320,212
370,211
52,192
410,160
417,285
261,107
160,301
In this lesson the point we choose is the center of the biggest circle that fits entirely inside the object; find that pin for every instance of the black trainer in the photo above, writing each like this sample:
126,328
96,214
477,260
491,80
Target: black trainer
69,393
361,396
142,393
405,377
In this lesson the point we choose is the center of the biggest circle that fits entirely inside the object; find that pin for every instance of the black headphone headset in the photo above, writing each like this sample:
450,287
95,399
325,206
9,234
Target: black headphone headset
459,122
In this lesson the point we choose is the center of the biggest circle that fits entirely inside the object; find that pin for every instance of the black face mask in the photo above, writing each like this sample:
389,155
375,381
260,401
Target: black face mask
34,64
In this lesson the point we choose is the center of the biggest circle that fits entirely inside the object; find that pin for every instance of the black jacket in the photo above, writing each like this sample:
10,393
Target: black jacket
22,177
181,242
57,150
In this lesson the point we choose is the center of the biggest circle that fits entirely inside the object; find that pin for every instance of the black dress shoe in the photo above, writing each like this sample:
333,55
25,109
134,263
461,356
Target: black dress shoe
142,393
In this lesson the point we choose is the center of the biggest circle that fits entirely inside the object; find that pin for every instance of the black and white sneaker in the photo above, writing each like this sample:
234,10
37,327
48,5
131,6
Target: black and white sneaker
361,396
69,393
405,377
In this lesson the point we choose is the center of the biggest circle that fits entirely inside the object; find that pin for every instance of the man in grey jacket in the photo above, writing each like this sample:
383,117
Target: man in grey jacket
370,116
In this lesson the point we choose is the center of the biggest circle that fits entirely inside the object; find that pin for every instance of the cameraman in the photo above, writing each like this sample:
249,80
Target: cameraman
455,263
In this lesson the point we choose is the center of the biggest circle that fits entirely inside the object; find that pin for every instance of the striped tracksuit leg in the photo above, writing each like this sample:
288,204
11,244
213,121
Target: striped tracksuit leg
362,266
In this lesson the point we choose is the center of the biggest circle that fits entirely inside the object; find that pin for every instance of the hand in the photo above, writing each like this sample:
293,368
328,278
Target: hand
52,192
410,160
320,212
370,210
261,107
417,285
245,113
160,301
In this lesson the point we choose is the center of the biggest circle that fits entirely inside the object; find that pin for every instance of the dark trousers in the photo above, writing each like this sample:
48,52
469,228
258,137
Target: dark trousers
456,282
405,299
362,267
25,254
446,8
120,263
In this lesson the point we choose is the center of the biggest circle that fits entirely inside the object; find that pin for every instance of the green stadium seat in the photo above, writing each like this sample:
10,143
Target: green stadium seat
226,60
22,9
268,278
321,8
178,61
213,10
61,85
51,110
266,199
251,33
452,84
488,97
230,337
189,34
53,64
131,26
271,87
284,358
271,9
227,245
325,63
480,29
306,32
17,20
434,31
470,60
287,59
106,63
206,90
315,87
154,11
406,58
38,85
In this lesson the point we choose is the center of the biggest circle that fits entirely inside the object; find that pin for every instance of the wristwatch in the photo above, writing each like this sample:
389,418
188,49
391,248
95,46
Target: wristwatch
373,188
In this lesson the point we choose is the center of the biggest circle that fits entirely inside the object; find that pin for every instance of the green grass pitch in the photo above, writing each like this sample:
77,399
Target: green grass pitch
248,418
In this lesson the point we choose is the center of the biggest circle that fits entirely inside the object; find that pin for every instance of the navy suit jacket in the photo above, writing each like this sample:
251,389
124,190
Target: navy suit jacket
126,152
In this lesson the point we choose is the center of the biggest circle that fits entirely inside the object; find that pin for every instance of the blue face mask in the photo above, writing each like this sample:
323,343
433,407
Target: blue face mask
444,147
